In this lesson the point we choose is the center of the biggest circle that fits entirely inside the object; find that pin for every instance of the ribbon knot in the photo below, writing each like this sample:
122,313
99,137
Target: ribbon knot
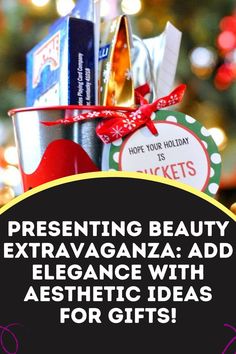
147,111
119,122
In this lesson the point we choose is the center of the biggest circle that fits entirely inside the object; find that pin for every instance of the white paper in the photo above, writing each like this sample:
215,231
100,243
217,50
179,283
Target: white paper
165,49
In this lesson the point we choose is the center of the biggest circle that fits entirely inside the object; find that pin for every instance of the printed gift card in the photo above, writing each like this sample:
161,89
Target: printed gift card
183,150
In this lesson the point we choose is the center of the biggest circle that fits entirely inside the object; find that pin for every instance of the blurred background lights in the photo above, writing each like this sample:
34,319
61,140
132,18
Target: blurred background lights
228,23
64,6
219,137
131,7
11,176
145,26
40,3
226,40
5,132
10,155
231,56
224,76
6,195
207,65
105,8
203,61
202,57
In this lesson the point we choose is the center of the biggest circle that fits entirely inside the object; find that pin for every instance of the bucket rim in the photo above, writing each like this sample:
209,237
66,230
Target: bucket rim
14,111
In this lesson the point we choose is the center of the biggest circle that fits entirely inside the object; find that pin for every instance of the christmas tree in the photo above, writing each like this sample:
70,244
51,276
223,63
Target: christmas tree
207,64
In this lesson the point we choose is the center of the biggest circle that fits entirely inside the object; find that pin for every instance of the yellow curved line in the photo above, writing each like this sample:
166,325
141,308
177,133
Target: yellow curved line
120,174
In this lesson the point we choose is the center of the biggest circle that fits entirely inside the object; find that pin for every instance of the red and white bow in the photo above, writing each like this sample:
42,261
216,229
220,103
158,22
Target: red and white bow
118,122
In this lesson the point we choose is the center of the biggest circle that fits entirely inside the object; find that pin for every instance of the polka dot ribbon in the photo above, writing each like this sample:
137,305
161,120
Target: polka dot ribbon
119,122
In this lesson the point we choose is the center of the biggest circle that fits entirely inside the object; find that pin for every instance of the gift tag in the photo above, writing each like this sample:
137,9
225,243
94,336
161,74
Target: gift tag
183,151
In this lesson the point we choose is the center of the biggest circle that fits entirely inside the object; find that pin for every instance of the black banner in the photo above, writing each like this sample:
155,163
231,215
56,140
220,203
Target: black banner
117,265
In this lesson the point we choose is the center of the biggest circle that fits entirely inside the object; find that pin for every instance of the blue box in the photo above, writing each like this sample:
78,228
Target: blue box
84,9
61,68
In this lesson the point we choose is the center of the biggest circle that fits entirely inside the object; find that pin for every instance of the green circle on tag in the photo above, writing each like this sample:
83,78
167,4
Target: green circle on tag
183,150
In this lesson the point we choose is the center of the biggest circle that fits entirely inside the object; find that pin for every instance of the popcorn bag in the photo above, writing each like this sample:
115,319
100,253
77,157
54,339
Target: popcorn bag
47,153
61,83
115,71
96,97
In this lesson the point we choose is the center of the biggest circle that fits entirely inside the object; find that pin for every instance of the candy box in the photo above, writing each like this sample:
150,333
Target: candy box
46,153
61,68
116,86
